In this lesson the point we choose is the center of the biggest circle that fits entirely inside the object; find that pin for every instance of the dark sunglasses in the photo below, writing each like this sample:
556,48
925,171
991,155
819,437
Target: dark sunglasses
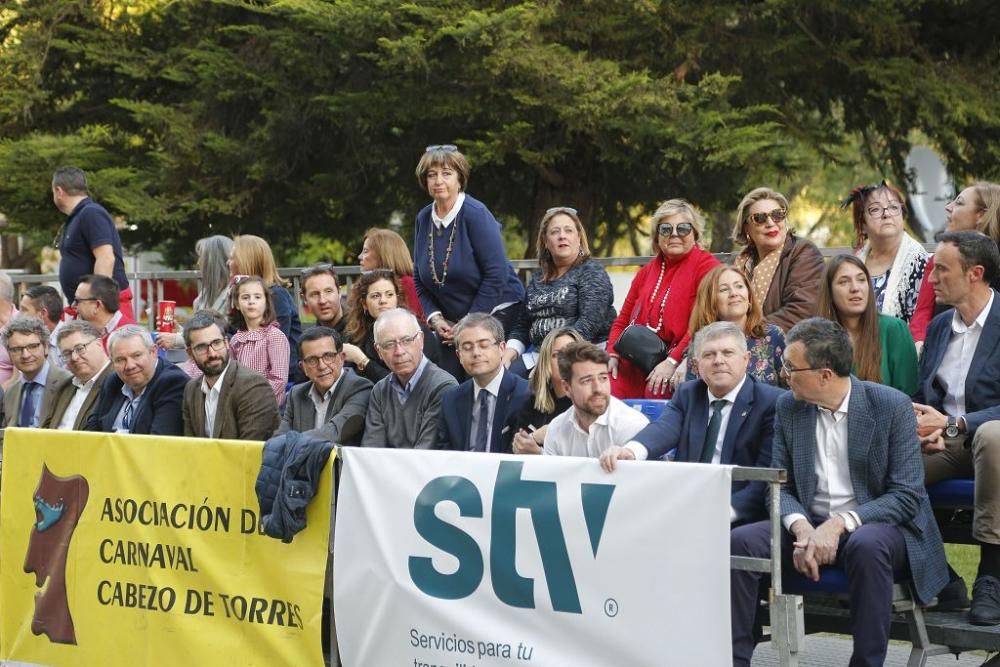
778,215
444,148
682,229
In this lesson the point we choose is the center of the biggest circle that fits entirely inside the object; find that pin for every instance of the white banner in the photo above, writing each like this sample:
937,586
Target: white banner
453,559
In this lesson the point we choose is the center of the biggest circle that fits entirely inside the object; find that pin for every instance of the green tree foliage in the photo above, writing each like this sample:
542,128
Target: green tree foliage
304,119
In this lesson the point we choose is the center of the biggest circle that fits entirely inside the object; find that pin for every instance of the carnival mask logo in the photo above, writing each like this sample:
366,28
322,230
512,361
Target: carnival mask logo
59,502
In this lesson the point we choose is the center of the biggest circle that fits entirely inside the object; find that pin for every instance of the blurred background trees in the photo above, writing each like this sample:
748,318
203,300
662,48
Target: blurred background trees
302,120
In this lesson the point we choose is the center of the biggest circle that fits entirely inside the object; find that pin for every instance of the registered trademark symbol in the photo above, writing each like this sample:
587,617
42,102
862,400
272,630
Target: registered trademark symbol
611,607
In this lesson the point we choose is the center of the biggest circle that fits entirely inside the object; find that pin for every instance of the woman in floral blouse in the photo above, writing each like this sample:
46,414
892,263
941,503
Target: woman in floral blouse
725,294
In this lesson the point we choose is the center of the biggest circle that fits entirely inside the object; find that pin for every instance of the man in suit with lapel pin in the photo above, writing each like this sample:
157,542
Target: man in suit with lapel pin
333,403
480,413
723,417
855,495
229,401
958,398
30,397
144,395
81,350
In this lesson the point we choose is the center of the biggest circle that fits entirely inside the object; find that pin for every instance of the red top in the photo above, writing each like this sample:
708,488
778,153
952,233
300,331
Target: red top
924,311
682,278
411,296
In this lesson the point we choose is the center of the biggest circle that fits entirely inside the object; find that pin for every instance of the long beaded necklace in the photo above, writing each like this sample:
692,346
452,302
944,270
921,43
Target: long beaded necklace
439,282
663,302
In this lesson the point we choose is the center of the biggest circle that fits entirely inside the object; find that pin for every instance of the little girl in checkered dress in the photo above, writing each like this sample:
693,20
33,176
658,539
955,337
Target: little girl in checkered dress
258,342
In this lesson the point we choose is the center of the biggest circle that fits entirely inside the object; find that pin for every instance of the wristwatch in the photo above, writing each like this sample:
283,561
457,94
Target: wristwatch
951,430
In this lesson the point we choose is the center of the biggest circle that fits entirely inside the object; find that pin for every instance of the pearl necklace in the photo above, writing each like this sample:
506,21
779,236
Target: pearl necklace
439,282
663,302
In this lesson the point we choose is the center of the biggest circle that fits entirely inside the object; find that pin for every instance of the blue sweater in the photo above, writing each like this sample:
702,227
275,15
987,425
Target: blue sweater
480,277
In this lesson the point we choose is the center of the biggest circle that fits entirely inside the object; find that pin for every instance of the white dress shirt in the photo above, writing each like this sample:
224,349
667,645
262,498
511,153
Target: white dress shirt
834,491
83,390
322,403
212,400
957,359
493,389
616,426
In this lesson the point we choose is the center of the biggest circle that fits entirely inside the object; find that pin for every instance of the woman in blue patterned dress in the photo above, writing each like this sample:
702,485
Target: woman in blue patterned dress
725,294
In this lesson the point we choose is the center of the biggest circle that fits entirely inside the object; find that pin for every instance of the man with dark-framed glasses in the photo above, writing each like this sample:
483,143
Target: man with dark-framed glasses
229,401
28,399
333,403
83,355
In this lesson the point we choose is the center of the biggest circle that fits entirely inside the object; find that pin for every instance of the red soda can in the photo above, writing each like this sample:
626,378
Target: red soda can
166,320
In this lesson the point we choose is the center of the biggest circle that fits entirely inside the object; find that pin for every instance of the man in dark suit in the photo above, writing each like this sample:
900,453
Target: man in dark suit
333,403
80,348
741,409
145,394
958,398
855,494
229,401
481,411
29,397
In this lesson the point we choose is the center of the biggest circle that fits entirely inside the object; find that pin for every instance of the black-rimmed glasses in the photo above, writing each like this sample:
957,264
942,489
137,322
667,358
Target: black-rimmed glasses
78,350
778,215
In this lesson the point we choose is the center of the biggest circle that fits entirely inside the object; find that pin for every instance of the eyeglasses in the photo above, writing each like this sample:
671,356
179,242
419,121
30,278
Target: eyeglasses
81,299
444,148
405,341
78,350
778,215
215,345
879,211
788,370
328,358
560,209
682,229
21,349
482,345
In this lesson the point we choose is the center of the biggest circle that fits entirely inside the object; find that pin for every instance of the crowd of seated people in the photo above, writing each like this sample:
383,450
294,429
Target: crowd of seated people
777,359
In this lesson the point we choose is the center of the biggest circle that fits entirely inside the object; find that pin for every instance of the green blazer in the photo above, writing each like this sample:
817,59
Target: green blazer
899,355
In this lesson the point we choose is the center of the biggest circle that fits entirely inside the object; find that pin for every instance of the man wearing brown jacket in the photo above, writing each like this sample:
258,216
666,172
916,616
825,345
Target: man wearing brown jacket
82,353
230,402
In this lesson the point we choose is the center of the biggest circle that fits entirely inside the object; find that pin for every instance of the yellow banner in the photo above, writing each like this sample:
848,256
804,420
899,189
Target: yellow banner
144,550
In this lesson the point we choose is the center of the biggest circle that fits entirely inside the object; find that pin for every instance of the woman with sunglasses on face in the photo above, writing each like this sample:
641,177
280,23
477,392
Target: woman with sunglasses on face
784,269
976,208
895,261
460,263
883,348
569,290
660,298
373,293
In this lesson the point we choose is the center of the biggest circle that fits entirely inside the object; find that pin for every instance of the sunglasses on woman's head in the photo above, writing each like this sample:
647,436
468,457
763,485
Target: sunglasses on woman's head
444,148
682,229
560,209
778,215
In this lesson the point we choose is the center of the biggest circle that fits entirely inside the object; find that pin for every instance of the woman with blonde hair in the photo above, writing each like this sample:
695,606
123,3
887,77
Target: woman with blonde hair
977,207
784,269
660,300
385,249
725,295
252,256
548,398
570,289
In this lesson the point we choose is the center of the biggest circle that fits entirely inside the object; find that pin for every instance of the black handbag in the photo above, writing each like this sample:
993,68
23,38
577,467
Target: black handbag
641,346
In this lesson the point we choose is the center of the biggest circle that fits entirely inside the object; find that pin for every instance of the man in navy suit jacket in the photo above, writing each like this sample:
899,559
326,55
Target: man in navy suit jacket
745,431
146,393
958,398
478,415
855,495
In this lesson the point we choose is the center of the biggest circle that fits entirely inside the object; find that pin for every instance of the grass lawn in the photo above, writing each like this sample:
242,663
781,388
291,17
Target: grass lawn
965,559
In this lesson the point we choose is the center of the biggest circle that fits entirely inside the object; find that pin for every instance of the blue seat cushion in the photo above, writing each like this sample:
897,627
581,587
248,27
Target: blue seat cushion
952,493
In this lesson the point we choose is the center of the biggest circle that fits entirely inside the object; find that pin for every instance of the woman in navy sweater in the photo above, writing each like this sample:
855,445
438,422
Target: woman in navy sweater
460,264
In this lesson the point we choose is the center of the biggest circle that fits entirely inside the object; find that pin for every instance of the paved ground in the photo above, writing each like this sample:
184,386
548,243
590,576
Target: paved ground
829,651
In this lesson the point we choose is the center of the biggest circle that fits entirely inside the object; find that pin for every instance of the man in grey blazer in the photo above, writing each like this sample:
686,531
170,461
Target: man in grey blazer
80,349
229,402
855,495
333,403
27,400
